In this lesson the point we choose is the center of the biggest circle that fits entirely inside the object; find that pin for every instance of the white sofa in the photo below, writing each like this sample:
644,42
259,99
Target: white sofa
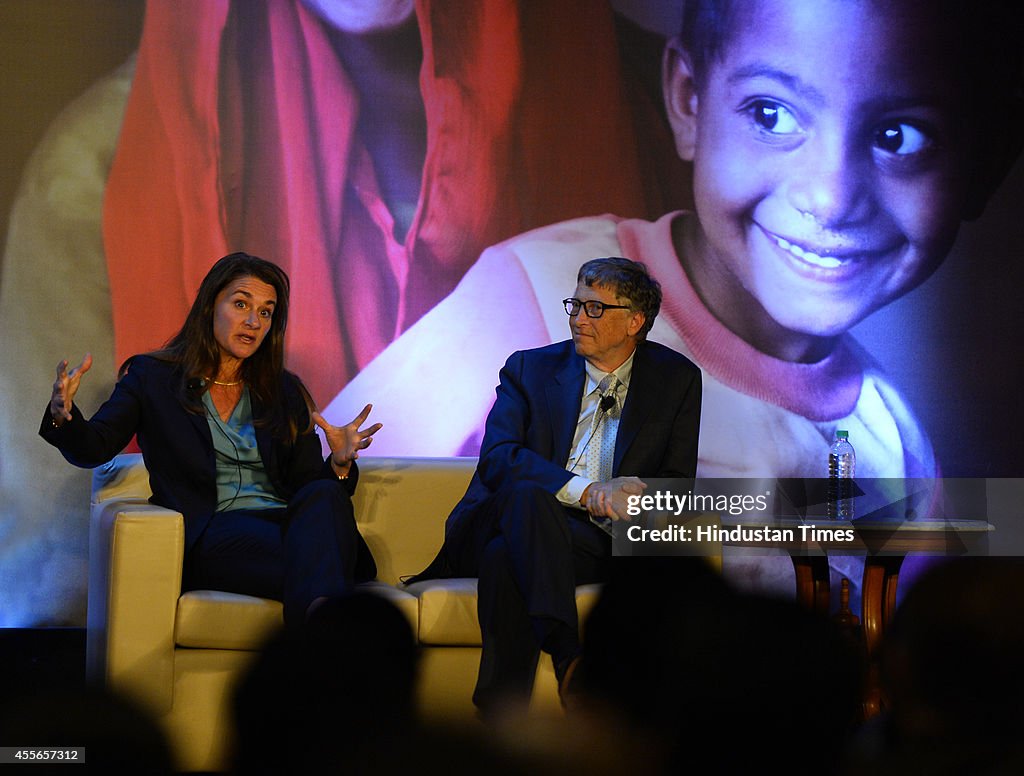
181,655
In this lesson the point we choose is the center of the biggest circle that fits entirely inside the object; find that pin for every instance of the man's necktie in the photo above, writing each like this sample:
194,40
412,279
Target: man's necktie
601,452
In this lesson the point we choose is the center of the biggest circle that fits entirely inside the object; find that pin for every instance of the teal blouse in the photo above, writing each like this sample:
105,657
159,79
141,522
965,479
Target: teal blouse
242,482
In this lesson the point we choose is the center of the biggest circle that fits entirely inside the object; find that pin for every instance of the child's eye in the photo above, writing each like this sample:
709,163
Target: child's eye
901,139
773,117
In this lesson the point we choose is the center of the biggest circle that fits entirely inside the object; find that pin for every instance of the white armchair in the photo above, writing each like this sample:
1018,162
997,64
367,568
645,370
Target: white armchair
181,655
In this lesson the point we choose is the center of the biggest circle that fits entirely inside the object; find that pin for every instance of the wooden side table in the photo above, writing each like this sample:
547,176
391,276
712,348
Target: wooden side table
883,544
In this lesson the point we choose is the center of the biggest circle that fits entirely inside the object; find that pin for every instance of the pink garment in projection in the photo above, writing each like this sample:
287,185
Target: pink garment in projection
240,134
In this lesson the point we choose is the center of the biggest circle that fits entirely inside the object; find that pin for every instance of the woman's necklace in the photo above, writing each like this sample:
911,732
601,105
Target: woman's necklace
227,385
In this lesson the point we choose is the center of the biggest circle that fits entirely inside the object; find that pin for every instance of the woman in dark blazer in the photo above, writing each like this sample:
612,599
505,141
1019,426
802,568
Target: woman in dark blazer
228,438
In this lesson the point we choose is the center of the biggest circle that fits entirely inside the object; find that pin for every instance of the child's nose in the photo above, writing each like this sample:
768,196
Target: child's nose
832,185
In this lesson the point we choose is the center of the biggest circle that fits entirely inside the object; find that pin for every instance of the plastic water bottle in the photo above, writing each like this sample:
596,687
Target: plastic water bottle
842,460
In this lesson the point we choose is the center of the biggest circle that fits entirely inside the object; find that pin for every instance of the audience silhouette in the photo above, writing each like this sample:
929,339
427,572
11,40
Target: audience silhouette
678,668
952,675
117,735
333,695
738,682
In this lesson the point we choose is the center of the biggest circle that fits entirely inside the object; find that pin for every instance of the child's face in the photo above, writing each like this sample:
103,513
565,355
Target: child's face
828,172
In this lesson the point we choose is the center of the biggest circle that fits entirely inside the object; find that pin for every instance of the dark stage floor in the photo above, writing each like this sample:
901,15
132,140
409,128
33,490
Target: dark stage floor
37,659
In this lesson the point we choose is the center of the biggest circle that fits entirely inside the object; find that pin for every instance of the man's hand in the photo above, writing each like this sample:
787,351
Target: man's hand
609,499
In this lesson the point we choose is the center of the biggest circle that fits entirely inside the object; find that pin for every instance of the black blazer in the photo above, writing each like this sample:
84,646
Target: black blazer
177,444
531,426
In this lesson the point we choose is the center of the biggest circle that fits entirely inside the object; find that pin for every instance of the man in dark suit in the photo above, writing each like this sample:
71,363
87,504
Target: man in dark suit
535,520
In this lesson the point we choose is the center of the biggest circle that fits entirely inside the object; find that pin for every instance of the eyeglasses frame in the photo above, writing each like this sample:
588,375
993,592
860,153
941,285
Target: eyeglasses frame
583,306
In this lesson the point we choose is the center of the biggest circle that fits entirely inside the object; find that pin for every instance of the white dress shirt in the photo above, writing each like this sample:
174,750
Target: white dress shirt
570,493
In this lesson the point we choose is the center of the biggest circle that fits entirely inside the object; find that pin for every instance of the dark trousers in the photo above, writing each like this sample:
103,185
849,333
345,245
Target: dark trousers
529,552
296,554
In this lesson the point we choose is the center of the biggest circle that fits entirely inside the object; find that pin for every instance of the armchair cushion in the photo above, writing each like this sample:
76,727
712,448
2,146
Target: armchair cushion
448,611
217,620
213,619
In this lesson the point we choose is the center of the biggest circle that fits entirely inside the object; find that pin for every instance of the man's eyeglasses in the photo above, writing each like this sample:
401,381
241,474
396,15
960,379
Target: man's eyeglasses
592,307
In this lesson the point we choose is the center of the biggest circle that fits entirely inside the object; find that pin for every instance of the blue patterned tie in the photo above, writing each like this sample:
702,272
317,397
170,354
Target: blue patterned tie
601,452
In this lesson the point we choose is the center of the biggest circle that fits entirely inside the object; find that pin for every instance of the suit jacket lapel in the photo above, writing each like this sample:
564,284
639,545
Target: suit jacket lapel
200,424
564,395
641,398
264,439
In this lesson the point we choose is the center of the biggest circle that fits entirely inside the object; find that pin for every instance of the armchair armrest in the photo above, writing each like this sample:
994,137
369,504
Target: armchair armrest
135,560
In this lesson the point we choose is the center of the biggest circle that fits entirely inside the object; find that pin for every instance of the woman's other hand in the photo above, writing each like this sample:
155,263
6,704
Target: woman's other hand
346,441
65,387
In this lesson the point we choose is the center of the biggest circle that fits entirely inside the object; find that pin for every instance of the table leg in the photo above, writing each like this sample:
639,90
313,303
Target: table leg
812,582
878,597
878,602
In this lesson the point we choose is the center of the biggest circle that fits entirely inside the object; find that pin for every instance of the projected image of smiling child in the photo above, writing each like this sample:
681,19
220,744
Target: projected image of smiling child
837,146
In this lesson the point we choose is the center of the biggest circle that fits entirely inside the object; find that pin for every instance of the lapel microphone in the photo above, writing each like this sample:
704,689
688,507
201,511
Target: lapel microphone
607,402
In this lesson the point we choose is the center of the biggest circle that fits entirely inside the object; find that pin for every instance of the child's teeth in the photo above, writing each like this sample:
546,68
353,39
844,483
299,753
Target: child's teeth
822,261
829,262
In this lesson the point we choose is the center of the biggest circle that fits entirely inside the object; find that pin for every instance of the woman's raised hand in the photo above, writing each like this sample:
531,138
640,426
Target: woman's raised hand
346,441
65,387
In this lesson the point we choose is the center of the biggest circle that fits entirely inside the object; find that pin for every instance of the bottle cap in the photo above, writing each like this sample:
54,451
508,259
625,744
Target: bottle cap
842,433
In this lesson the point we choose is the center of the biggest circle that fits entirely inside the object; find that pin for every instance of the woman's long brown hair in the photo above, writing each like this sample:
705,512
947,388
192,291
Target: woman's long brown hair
194,348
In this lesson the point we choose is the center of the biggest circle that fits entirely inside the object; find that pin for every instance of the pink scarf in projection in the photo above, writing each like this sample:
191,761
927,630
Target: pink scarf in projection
529,121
